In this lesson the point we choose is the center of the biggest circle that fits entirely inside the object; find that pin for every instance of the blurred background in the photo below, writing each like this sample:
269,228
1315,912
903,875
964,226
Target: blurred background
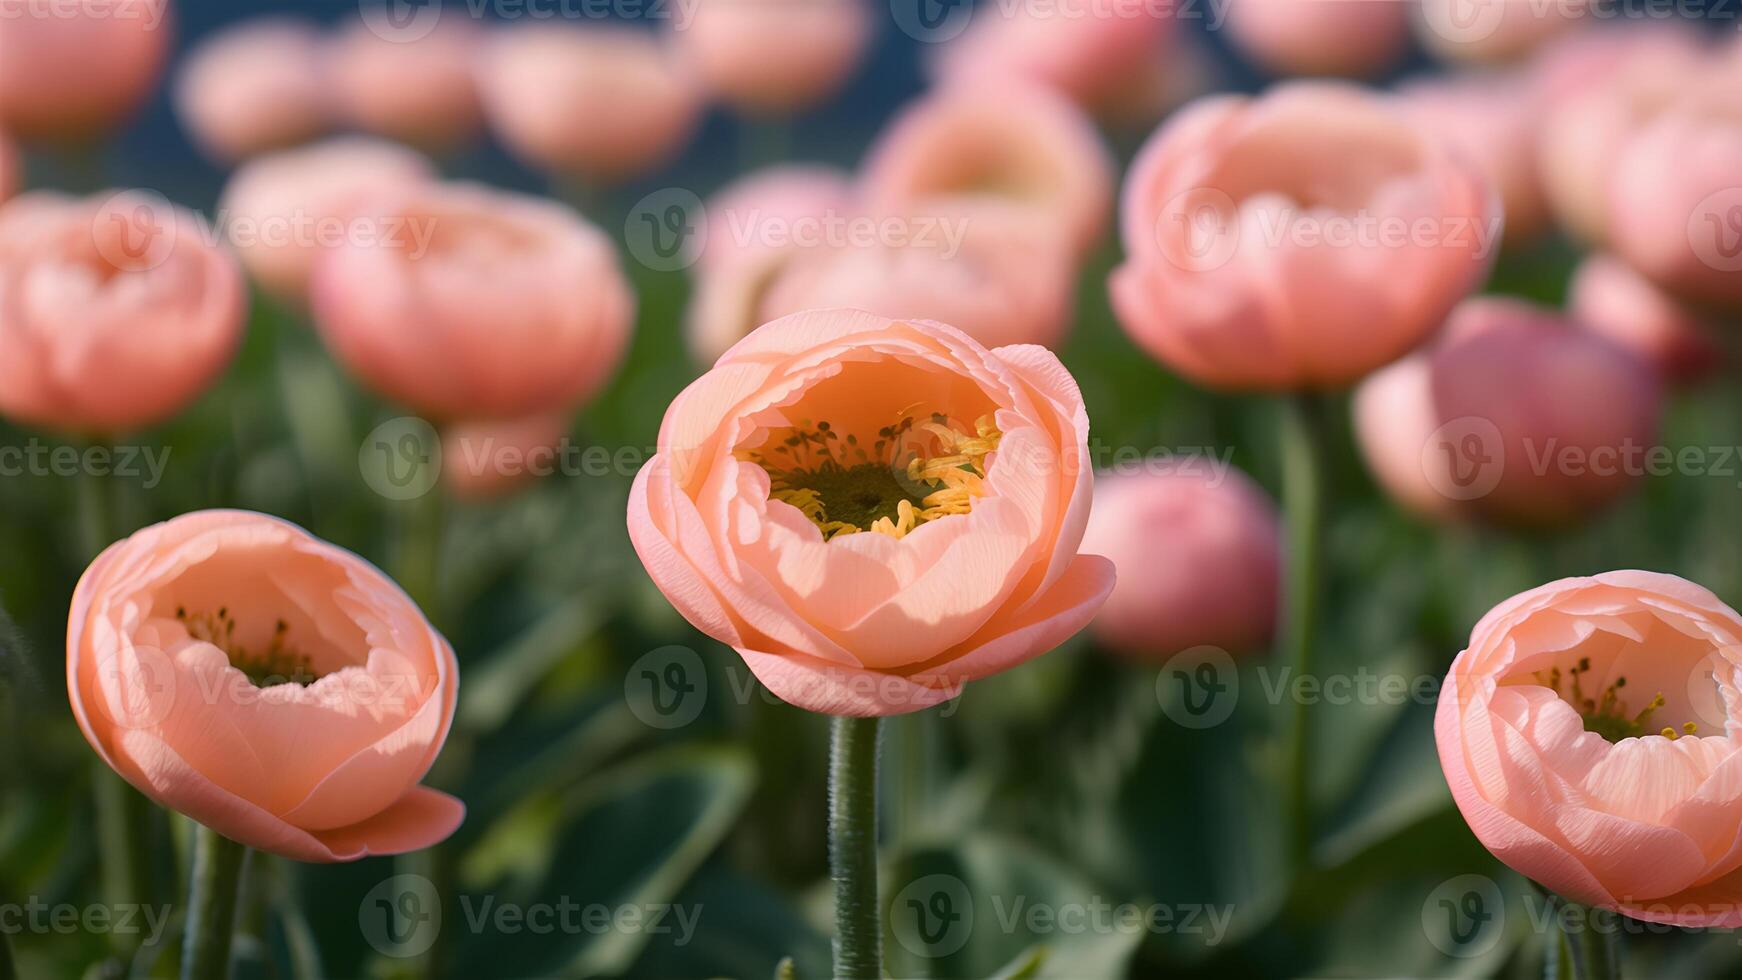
643,806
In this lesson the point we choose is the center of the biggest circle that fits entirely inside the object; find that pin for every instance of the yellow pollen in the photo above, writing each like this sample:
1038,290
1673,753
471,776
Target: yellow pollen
1607,714
277,664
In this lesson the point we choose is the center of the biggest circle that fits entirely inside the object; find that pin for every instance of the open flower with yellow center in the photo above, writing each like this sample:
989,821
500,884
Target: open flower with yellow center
873,511
1590,735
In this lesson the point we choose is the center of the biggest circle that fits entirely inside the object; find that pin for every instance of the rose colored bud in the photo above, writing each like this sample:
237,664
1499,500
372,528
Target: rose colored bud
1091,51
1587,132
266,684
1675,198
1577,62
988,269
1297,240
417,90
487,460
1199,559
72,71
1027,145
259,86
605,103
774,57
1494,30
1516,416
118,311
1611,299
480,304
282,209
1313,37
1588,734
873,512
1495,121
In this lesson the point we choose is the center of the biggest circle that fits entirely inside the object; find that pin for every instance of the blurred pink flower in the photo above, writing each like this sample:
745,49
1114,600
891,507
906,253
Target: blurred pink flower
1573,64
11,169
1622,305
605,103
774,57
1494,30
1515,416
1024,144
1675,196
479,305
1091,51
419,90
1316,37
258,86
1300,239
1199,559
116,311
71,71
486,460
873,512
1589,735
1494,120
267,684
282,209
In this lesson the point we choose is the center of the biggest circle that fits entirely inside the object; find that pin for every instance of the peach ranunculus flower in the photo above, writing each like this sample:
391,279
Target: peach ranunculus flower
479,305
1495,120
873,512
271,686
487,460
283,209
774,57
1199,553
116,311
1514,416
1675,197
1589,735
1312,37
1027,145
1300,239
421,90
605,103
260,85
1496,30
1612,299
72,70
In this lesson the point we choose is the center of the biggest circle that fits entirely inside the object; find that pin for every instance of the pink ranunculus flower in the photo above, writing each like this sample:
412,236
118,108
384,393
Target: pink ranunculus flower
1311,37
1091,51
1495,120
418,90
283,209
71,71
774,57
604,103
1589,735
1612,299
480,304
267,684
261,85
116,311
1199,554
1516,417
1675,198
487,460
1495,30
1300,239
873,512
1026,145
987,268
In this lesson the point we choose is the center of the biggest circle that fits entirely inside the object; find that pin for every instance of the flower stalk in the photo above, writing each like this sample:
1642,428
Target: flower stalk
853,848
212,891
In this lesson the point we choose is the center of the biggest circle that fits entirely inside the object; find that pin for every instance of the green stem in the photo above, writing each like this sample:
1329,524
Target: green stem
212,890
1304,442
1593,952
420,551
853,848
